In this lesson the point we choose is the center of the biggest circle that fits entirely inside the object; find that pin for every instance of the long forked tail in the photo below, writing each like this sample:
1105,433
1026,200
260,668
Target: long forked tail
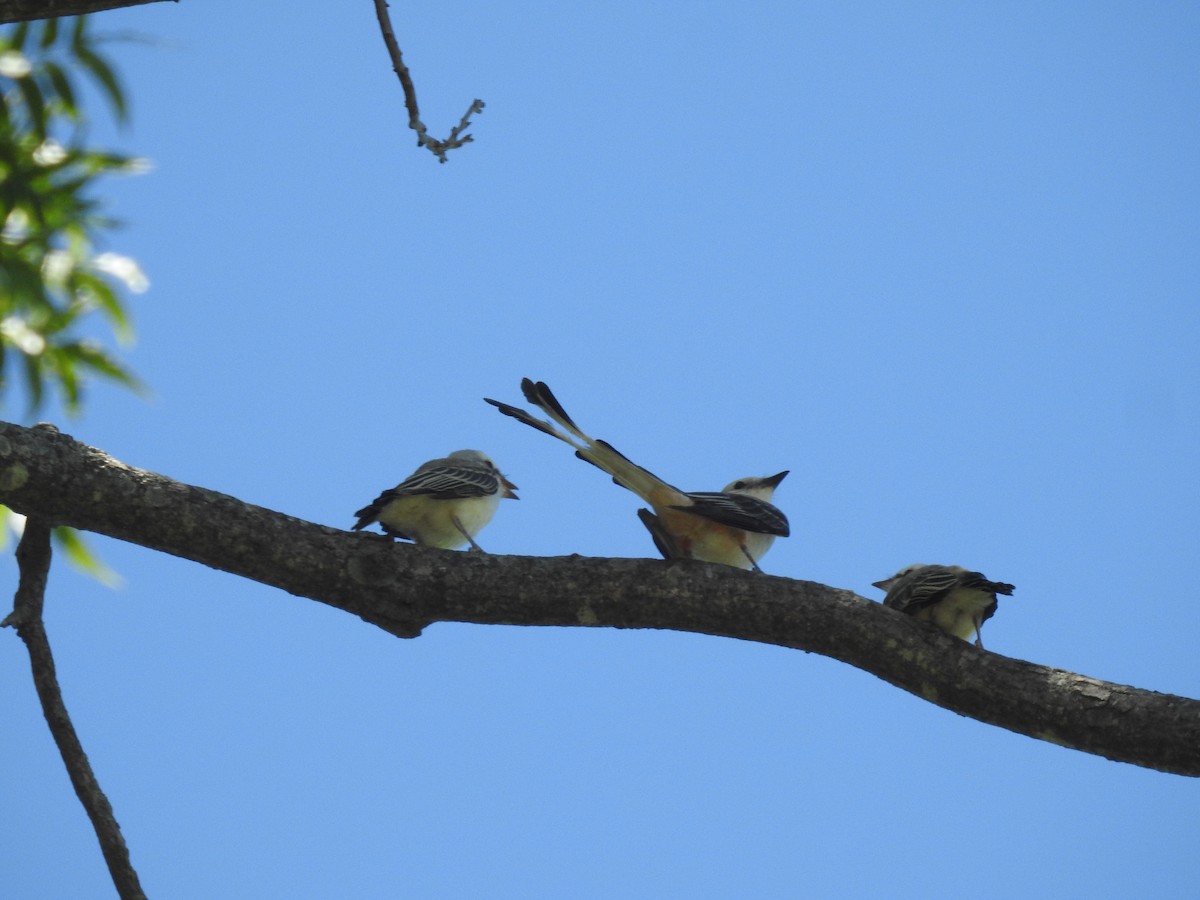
521,416
602,455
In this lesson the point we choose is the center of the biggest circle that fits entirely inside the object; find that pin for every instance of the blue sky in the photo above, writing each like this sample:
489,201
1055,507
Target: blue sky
937,259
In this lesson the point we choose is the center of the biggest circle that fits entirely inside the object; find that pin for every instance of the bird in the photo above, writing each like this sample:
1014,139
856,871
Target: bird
444,503
956,600
734,526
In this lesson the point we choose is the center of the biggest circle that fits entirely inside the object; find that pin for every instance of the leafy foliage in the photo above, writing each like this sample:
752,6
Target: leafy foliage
53,285
51,279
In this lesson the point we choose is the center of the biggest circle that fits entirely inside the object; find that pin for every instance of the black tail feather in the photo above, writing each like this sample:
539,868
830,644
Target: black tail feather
521,416
540,395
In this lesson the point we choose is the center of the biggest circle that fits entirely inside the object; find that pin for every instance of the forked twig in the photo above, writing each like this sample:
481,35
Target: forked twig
436,147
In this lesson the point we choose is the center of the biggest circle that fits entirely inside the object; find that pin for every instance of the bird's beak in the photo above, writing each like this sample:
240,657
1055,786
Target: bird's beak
774,480
509,487
882,585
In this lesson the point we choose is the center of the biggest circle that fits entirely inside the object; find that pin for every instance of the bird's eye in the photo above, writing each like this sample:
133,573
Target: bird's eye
738,485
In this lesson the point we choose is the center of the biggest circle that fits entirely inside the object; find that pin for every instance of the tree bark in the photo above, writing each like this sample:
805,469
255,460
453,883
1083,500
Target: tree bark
403,588
25,10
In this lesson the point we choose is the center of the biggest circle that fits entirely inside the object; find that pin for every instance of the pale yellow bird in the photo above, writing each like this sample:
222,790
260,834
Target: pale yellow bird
956,600
445,503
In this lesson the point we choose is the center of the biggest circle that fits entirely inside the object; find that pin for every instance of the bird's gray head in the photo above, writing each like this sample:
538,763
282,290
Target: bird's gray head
887,583
472,456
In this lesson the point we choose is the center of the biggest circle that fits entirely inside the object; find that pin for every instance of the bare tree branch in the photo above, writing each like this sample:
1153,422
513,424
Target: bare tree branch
402,588
436,147
33,558
25,10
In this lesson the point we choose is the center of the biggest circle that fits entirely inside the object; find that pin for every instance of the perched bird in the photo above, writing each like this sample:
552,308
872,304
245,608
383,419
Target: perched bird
735,526
954,599
445,503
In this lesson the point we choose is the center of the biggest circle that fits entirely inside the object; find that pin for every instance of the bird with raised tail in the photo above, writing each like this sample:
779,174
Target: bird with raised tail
734,526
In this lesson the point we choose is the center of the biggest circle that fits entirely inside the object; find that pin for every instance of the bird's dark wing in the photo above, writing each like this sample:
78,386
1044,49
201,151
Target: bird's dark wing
739,511
912,593
662,538
448,481
934,583
444,481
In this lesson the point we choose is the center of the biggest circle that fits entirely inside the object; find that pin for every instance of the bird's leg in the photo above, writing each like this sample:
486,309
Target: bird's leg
753,564
979,633
463,532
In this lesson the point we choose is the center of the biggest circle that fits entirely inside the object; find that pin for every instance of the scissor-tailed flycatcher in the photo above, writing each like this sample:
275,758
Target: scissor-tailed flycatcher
954,599
443,504
735,526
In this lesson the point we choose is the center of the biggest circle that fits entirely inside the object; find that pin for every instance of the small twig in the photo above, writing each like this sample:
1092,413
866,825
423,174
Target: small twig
439,148
436,147
410,92
33,558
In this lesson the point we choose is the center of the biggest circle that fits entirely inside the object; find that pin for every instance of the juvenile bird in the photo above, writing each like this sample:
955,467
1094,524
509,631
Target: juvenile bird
445,503
734,526
954,599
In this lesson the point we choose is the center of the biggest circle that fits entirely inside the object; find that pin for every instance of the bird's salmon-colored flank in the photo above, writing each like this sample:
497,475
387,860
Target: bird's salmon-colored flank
734,526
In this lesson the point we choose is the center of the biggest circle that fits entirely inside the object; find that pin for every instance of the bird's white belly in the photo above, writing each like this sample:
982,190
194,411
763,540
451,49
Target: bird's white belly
716,546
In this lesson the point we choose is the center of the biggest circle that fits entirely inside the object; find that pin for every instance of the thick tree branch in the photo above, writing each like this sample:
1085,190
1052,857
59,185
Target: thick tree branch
33,558
25,10
402,588
436,147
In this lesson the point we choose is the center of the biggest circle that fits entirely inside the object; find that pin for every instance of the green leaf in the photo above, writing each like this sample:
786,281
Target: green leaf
17,39
94,357
96,288
35,103
23,285
79,32
48,195
110,162
49,32
33,380
62,362
62,87
82,557
89,287
103,73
